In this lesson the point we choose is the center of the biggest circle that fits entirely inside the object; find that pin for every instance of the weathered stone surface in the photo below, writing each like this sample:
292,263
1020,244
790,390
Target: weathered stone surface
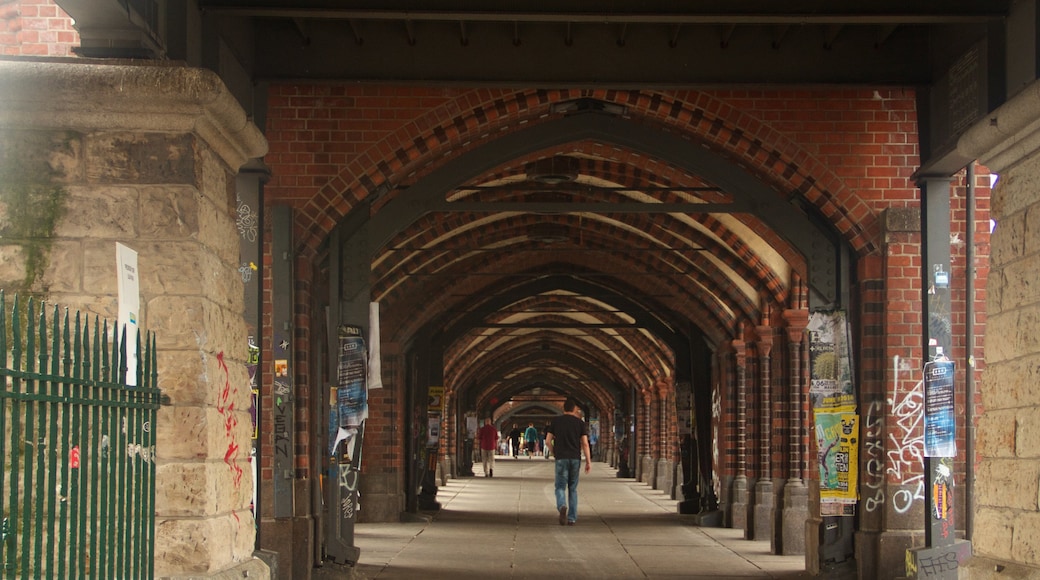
140,158
203,546
1009,334
995,436
169,213
1027,443
217,223
189,489
1019,283
64,273
139,177
100,212
1025,547
184,433
55,155
1009,484
1011,384
993,533
1007,243
1016,189
12,265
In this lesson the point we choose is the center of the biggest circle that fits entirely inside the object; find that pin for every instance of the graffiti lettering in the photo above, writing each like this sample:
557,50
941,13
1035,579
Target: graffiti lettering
281,432
873,453
906,454
903,499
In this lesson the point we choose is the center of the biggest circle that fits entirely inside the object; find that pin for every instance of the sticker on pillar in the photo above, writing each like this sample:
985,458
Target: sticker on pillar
942,277
942,489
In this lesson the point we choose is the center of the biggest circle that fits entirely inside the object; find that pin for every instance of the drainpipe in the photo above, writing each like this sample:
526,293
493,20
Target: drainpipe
969,334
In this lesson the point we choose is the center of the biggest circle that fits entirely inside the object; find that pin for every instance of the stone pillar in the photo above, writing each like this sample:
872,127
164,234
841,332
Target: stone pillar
1007,507
147,156
765,504
739,508
666,457
795,493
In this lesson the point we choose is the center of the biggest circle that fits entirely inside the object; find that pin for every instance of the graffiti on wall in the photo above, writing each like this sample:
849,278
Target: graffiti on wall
906,444
873,457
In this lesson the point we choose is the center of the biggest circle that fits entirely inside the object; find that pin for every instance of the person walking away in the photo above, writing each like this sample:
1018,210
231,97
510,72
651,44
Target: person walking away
531,440
488,436
568,439
514,439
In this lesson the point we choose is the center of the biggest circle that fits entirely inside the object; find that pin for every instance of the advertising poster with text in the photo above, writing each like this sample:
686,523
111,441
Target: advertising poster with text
939,420
837,443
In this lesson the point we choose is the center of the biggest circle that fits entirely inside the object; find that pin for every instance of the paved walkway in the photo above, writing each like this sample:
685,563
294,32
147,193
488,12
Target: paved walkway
506,527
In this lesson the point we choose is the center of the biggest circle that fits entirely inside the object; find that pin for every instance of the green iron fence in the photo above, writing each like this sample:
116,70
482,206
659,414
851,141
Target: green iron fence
77,490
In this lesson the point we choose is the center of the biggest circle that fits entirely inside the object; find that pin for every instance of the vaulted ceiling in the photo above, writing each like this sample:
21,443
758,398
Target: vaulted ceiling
603,252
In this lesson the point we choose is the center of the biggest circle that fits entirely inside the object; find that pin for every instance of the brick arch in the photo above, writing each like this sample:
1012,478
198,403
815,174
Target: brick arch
690,298
628,364
743,261
477,116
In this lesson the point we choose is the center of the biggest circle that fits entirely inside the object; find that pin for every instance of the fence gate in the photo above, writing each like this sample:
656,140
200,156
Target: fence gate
77,491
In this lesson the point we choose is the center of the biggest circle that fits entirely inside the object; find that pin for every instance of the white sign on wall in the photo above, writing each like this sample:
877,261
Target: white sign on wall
129,289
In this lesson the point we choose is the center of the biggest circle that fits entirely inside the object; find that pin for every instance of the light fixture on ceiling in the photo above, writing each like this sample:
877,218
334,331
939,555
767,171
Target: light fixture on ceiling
553,170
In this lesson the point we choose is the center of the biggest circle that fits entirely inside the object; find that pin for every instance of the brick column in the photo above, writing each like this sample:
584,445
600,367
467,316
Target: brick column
740,505
795,493
147,156
765,503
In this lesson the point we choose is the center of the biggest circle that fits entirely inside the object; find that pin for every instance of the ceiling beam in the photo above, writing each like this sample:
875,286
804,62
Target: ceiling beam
671,18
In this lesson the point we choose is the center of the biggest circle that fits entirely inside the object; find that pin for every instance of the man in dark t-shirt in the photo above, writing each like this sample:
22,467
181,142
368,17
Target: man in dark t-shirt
568,438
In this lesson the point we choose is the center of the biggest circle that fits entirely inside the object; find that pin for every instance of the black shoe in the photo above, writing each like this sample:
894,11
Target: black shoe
491,473
570,523
563,515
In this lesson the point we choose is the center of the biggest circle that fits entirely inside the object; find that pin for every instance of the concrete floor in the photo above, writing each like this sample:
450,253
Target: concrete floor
506,527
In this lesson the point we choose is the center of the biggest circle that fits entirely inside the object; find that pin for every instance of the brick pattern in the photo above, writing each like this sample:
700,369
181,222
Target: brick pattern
851,153
35,28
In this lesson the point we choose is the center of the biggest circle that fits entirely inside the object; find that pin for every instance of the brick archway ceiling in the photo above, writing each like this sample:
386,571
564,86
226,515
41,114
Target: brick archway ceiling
709,272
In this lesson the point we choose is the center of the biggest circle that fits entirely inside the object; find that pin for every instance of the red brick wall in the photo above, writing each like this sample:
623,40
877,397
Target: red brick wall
35,28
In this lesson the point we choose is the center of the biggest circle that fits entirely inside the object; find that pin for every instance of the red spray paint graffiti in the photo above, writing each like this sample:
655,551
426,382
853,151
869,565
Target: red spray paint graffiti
226,407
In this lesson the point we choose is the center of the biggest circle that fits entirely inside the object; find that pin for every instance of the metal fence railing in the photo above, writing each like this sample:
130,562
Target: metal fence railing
77,489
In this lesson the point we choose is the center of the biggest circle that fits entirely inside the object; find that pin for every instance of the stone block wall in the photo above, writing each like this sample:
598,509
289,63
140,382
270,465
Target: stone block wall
146,156
1007,515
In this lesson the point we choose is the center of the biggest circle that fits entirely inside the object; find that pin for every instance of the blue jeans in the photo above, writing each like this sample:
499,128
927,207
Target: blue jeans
567,486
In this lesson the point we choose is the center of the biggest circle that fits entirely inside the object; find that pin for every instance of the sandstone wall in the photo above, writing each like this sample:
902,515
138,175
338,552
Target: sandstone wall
1007,528
92,155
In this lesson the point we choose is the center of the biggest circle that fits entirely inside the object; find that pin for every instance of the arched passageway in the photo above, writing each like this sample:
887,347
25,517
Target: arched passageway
656,255
625,530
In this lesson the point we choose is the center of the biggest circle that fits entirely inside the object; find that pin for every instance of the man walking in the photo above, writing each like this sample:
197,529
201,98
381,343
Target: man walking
568,439
488,437
530,440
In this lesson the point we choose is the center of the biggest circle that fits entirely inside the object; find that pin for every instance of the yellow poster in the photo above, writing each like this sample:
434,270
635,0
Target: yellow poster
436,399
837,444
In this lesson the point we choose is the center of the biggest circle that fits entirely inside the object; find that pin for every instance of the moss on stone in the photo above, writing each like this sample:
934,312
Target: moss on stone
30,207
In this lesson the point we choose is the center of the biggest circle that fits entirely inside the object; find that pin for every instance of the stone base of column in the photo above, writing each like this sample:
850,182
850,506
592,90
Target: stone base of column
290,538
883,554
381,498
252,568
677,481
665,479
444,469
795,513
647,470
738,509
765,507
